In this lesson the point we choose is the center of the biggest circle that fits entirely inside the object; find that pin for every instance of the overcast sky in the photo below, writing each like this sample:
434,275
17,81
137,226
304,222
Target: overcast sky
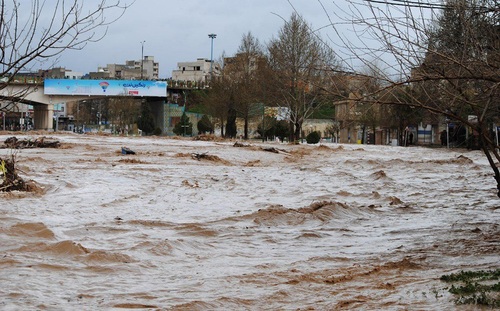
177,30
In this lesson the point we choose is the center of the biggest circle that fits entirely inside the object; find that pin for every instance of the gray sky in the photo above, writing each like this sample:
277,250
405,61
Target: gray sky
177,30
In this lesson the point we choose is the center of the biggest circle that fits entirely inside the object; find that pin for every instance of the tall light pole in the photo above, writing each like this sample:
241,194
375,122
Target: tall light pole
142,56
212,36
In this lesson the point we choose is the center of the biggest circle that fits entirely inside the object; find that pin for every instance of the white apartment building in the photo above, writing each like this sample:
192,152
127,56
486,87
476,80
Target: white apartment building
197,71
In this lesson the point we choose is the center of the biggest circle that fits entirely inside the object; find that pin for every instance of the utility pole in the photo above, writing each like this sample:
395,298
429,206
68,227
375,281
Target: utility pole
142,57
212,36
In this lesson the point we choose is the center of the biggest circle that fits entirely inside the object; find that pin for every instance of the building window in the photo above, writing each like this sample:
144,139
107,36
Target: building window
198,68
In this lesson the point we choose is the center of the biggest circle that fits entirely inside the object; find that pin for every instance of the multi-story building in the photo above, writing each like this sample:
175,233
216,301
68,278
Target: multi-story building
60,73
132,70
198,71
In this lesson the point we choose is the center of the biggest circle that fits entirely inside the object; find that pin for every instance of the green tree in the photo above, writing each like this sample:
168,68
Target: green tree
184,127
313,137
146,121
273,128
205,125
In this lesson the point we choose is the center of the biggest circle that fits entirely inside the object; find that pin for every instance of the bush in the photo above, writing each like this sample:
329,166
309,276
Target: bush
313,137
205,126
157,131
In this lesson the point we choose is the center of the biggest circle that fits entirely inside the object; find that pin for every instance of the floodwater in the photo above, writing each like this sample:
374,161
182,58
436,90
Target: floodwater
307,227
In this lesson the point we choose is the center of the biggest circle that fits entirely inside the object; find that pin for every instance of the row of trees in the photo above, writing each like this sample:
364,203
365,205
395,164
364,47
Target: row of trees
418,61
292,72
440,58
299,72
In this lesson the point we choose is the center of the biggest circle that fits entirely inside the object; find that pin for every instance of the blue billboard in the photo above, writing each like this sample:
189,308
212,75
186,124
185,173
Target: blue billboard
105,87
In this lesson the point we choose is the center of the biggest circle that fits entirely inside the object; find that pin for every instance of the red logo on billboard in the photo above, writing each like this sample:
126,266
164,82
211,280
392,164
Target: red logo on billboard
133,92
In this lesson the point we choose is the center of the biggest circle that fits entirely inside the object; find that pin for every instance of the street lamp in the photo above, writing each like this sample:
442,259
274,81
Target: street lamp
185,126
212,36
142,56
78,116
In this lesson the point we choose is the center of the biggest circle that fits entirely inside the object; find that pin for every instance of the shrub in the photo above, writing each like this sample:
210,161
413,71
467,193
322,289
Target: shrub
205,126
157,131
313,137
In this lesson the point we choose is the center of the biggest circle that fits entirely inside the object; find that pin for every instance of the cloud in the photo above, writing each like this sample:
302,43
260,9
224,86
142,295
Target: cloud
177,31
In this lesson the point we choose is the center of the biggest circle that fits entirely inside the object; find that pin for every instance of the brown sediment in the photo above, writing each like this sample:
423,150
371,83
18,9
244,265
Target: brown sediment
107,257
59,248
344,193
210,137
187,183
301,152
133,161
379,175
35,160
395,200
323,211
134,306
253,163
461,159
324,148
310,235
53,267
196,305
161,248
196,230
6,261
38,230
150,223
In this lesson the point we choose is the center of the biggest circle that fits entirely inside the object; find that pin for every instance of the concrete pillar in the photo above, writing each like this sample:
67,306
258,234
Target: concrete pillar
158,110
43,117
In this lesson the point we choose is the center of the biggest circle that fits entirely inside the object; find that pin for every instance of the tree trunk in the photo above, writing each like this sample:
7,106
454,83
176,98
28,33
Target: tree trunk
231,123
222,127
485,147
298,128
246,127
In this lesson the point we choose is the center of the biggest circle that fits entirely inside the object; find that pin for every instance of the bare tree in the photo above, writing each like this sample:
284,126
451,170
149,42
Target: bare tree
218,100
242,70
38,31
442,58
299,60
123,112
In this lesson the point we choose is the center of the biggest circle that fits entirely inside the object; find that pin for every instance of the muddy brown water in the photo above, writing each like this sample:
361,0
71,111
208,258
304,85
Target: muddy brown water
309,228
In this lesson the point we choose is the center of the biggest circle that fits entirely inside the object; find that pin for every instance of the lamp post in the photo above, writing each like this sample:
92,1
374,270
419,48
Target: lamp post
185,126
212,36
142,56
77,117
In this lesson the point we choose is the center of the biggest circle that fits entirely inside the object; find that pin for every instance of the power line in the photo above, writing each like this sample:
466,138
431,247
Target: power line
406,3
428,5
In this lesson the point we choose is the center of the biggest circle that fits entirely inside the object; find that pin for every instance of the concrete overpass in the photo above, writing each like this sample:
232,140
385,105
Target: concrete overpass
43,96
